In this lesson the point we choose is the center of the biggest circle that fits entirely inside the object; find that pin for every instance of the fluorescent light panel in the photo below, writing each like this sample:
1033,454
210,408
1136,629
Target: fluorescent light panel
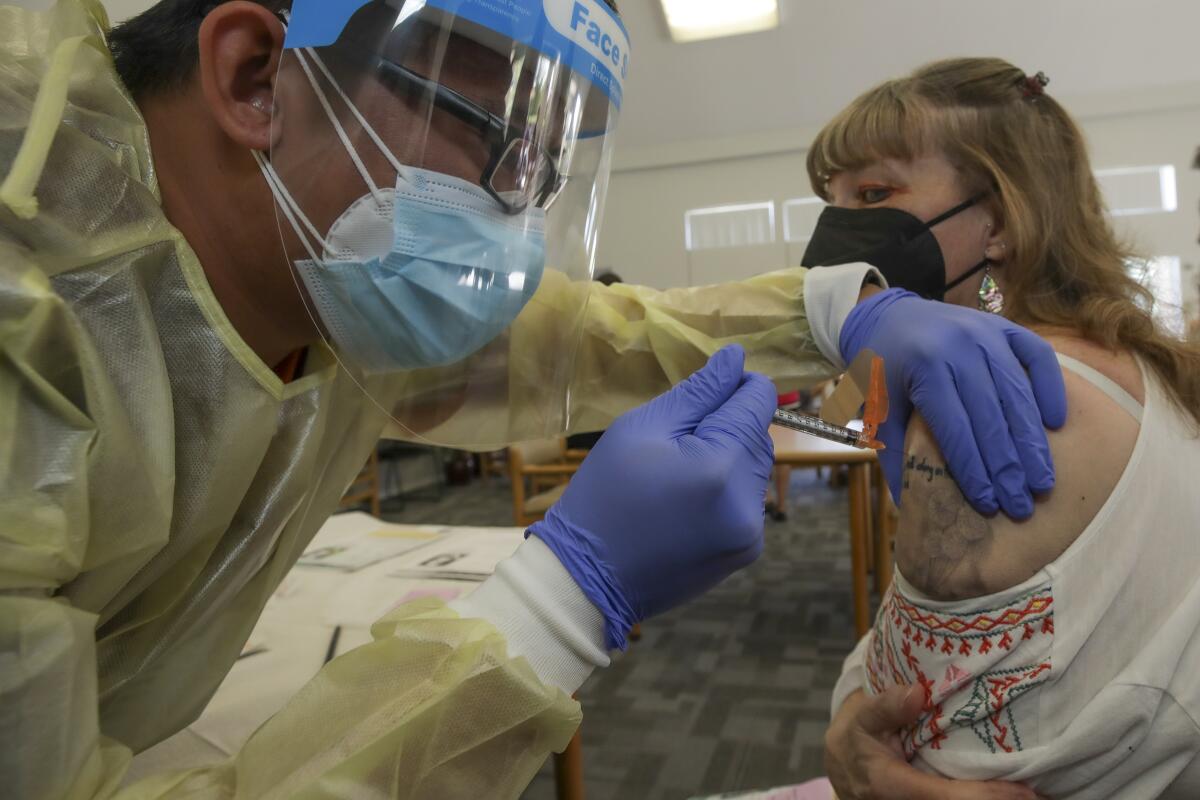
693,20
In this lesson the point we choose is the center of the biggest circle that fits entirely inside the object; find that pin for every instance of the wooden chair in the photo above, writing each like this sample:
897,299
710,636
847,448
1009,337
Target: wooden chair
365,488
539,471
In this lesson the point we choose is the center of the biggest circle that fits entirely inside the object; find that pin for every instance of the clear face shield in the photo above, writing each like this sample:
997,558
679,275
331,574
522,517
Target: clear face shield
440,169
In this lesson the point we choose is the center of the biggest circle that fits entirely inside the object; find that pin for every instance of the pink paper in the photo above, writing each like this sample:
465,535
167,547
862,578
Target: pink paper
819,789
448,593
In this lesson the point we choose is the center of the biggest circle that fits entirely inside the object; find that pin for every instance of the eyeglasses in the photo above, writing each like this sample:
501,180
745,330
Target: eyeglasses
519,173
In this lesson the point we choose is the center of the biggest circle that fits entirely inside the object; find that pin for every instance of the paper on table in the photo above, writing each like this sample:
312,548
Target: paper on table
466,554
363,551
296,631
364,597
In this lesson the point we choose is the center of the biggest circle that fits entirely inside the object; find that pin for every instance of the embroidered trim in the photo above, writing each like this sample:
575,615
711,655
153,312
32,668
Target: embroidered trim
1023,610
915,645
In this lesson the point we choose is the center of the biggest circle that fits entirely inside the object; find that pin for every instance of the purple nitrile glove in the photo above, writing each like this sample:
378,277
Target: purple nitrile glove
670,501
987,387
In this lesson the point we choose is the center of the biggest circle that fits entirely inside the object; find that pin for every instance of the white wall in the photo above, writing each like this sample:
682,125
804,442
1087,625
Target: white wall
652,187
643,234
119,10
1162,138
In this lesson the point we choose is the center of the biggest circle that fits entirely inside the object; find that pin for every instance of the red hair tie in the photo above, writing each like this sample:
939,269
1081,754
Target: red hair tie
1035,85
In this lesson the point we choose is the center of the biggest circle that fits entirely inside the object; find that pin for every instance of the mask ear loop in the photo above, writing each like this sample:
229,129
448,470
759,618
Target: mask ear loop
287,202
401,169
337,126
290,208
958,209
975,270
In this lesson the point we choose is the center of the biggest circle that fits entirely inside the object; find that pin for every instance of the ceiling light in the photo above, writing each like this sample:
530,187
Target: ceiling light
692,20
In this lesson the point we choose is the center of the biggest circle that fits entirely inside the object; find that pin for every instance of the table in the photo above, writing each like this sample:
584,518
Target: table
795,449
295,634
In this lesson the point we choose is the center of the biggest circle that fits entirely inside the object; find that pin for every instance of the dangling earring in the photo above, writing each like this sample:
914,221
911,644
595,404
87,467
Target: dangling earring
991,299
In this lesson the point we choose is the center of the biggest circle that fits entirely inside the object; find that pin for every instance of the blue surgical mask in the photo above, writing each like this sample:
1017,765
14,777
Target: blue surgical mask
457,273
420,276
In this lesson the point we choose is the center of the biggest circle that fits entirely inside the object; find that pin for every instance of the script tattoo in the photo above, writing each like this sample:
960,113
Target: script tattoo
942,539
923,470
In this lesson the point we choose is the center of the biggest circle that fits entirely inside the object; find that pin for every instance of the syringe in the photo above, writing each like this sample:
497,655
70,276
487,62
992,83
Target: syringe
815,426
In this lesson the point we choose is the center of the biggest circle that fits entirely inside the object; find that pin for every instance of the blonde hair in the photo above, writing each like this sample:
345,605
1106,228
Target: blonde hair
1064,265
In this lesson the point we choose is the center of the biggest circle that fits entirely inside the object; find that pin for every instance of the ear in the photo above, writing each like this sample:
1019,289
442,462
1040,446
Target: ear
996,248
241,44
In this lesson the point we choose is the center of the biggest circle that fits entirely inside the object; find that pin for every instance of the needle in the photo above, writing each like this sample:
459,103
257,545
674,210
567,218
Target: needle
815,426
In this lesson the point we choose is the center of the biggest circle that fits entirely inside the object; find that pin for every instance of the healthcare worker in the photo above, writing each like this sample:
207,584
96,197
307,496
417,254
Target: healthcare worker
188,385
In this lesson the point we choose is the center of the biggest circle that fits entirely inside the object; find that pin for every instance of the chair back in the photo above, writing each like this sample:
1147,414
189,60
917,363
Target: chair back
541,451
536,469
365,487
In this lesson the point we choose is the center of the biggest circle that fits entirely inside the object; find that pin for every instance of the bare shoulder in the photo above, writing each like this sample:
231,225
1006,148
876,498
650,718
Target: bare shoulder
949,551
1119,367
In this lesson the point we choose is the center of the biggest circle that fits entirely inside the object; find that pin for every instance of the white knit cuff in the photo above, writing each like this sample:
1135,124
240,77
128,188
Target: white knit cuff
543,614
830,294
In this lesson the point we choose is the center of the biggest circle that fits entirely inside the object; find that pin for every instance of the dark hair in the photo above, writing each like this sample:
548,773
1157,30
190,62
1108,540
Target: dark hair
608,278
158,50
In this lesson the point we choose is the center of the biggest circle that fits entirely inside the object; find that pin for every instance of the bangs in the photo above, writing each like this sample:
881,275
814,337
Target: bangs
889,121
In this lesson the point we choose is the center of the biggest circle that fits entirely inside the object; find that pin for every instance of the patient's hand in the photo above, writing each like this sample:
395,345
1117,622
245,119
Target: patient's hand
865,761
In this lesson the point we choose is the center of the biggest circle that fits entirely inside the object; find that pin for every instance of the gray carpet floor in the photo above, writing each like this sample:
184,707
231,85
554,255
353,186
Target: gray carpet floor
730,692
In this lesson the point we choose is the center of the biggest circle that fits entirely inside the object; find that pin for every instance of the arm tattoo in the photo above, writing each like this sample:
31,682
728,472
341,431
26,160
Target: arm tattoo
941,535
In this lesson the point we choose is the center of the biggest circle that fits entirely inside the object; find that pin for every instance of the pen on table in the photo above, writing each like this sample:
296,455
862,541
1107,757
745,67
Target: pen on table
333,644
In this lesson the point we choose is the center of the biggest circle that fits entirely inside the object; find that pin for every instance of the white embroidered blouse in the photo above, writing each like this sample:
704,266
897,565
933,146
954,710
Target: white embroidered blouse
1083,681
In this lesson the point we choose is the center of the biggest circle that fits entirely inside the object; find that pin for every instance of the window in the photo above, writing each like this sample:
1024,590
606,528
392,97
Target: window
729,226
1139,190
1162,277
800,218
